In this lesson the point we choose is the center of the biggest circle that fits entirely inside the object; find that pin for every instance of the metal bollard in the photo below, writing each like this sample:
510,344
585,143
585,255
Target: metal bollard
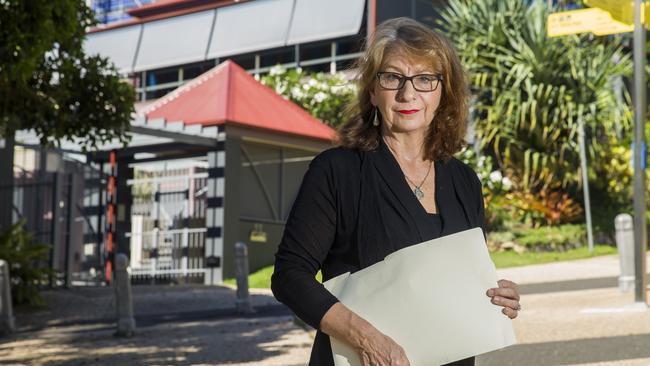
243,302
123,298
6,311
625,244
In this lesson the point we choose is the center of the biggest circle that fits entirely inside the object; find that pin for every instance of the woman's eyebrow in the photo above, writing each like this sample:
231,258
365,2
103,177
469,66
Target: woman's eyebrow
393,67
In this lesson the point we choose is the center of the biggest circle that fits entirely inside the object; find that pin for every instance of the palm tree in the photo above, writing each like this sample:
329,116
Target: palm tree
532,91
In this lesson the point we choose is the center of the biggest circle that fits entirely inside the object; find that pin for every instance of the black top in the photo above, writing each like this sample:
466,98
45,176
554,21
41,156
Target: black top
436,221
352,210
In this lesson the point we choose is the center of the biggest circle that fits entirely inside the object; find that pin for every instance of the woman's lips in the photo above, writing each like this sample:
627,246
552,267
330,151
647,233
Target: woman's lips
408,111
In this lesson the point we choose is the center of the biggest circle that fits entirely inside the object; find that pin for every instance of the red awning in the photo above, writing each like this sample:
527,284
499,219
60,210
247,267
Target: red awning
228,94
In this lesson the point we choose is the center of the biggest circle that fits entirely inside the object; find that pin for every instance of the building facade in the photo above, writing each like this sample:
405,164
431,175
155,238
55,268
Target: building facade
164,44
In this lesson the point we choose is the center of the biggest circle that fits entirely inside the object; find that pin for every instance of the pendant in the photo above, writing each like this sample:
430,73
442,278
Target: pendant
418,193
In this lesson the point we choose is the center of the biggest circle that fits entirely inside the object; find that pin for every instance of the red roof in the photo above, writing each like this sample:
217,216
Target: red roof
227,94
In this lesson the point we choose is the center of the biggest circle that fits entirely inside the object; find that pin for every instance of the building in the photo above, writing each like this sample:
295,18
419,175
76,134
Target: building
166,43
187,189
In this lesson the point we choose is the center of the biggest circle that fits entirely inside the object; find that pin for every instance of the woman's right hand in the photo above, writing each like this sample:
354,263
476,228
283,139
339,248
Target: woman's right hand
381,350
374,347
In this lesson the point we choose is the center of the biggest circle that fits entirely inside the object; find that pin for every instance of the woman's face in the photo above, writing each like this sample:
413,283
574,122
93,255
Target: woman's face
406,110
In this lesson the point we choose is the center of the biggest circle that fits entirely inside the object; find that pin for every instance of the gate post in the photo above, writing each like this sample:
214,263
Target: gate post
243,301
6,311
123,297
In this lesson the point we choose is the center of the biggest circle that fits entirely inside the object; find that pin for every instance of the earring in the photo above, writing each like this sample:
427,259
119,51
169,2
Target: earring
375,120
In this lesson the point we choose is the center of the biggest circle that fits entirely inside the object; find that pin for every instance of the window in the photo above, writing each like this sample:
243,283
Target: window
345,65
194,70
155,94
162,76
348,45
277,56
315,50
246,61
317,68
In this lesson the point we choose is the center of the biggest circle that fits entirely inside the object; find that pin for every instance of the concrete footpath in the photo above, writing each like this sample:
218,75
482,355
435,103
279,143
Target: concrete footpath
573,314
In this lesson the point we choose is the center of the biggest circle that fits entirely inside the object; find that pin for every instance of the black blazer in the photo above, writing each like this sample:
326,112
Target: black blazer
352,210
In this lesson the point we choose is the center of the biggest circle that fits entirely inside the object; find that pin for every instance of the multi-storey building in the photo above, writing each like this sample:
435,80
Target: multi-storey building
163,44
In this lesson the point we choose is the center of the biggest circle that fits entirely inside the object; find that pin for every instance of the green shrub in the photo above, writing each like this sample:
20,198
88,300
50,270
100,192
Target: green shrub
547,238
24,257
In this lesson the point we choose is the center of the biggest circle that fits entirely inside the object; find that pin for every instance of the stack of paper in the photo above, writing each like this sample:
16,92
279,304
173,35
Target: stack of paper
430,298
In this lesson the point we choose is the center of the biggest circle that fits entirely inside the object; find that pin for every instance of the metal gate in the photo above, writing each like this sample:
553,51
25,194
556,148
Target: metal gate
168,222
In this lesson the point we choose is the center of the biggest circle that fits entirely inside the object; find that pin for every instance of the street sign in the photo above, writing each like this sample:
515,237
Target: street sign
621,10
593,20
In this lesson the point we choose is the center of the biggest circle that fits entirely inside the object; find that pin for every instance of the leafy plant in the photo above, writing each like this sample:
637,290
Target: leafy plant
24,257
498,212
532,92
48,83
546,207
323,95
549,238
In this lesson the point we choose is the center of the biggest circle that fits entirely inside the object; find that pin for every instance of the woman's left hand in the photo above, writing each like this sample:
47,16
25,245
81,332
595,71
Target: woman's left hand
507,296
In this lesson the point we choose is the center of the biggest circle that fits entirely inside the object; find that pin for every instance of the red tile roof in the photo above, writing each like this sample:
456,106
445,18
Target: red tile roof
227,94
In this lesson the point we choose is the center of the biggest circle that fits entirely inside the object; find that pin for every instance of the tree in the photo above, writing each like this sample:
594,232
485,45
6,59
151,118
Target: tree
531,91
48,83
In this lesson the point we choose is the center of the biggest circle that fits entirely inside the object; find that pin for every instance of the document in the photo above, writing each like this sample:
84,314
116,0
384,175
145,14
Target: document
430,298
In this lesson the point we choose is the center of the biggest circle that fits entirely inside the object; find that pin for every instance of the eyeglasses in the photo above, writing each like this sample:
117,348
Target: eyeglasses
420,82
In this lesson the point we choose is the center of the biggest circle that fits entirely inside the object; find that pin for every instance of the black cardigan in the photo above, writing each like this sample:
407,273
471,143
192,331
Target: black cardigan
352,210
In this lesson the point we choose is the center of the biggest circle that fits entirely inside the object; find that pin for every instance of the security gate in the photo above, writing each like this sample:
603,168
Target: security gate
167,238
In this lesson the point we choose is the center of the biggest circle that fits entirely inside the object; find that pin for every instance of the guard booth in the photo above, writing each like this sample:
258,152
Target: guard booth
218,160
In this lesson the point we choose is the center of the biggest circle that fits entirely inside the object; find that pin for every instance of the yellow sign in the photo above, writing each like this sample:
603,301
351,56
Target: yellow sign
594,20
622,10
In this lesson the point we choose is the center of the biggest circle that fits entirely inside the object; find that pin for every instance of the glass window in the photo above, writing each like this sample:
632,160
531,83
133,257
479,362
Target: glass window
246,61
318,67
277,56
194,70
345,65
348,45
315,50
155,94
162,76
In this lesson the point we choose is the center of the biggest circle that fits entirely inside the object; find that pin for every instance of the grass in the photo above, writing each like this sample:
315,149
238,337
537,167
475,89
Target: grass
512,259
262,277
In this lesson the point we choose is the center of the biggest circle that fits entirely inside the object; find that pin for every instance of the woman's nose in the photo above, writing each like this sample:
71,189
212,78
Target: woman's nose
408,92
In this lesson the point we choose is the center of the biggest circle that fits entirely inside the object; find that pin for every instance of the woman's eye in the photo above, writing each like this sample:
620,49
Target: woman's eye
425,79
392,77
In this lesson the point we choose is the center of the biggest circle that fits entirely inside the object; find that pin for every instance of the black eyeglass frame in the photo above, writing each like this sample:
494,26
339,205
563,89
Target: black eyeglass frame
404,79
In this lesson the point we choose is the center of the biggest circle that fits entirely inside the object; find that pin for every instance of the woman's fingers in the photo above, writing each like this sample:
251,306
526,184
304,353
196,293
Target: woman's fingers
510,313
506,292
507,284
506,295
502,301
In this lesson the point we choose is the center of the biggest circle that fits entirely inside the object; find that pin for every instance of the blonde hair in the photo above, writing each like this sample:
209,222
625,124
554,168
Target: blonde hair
418,43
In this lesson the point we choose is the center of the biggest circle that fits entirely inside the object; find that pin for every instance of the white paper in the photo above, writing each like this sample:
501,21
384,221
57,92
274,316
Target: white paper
430,298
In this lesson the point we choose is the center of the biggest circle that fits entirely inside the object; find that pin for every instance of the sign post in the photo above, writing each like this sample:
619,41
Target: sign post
640,108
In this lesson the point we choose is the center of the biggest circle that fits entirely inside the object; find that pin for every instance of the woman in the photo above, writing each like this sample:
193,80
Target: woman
391,183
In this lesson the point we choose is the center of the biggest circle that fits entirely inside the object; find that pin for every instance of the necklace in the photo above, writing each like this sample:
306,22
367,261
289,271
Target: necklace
417,191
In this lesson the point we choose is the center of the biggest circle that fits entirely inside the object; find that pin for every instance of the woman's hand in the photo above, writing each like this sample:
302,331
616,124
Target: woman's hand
379,349
507,296
373,347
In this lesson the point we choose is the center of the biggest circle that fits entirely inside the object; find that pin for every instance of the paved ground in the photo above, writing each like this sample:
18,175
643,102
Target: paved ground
573,315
